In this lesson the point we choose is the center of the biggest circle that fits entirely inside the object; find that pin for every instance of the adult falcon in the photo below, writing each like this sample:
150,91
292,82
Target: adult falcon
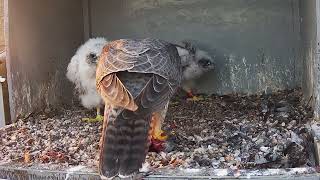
136,79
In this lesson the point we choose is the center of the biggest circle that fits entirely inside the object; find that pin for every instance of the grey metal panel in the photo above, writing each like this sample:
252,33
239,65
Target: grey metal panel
256,43
42,36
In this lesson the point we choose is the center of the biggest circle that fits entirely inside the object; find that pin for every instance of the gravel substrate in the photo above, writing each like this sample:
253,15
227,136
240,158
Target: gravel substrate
54,142
246,132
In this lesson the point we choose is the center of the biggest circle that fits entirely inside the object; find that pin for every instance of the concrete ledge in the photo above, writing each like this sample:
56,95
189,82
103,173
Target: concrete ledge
265,174
14,173
36,174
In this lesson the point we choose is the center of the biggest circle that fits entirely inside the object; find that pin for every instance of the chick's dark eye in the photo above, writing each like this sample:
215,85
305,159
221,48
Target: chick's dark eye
92,56
204,62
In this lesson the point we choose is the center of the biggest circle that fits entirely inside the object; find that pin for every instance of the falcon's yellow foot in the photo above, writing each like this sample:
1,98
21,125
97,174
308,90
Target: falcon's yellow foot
158,141
159,135
98,118
195,98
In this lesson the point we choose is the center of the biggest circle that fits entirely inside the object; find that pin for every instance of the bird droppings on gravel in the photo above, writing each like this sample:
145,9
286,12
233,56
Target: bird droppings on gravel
232,131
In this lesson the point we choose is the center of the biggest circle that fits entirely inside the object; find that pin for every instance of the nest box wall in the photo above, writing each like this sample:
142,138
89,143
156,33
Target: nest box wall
42,36
310,50
308,33
255,43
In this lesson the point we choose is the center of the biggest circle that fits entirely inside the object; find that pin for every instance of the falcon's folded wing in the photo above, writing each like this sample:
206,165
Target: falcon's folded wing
126,132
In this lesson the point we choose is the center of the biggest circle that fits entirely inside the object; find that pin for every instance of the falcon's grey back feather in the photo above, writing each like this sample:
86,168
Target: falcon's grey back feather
82,72
132,57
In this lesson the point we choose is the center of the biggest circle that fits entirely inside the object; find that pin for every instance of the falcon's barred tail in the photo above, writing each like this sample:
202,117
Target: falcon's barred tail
126,134
125,142
133,99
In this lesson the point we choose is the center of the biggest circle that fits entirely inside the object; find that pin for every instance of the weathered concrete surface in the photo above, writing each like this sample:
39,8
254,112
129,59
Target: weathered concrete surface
309,52
255,43
3,71
42,37
258,45
2,39
35,174
266,174
316,65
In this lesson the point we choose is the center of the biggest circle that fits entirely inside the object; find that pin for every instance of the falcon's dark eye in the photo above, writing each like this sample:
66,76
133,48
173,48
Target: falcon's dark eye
204,62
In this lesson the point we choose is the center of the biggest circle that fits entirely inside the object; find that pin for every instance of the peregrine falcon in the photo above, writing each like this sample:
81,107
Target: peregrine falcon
136,79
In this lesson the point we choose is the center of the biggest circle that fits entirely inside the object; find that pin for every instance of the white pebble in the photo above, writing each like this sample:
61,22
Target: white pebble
264,149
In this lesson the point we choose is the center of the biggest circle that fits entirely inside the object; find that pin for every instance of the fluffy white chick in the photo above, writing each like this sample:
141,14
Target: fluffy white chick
82,72
196,63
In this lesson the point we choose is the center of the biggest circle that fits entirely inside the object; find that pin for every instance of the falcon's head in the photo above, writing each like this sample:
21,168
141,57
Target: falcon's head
195,62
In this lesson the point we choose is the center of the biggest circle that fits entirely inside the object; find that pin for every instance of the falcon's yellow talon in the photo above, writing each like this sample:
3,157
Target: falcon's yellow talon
196,98
98,118
160,135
